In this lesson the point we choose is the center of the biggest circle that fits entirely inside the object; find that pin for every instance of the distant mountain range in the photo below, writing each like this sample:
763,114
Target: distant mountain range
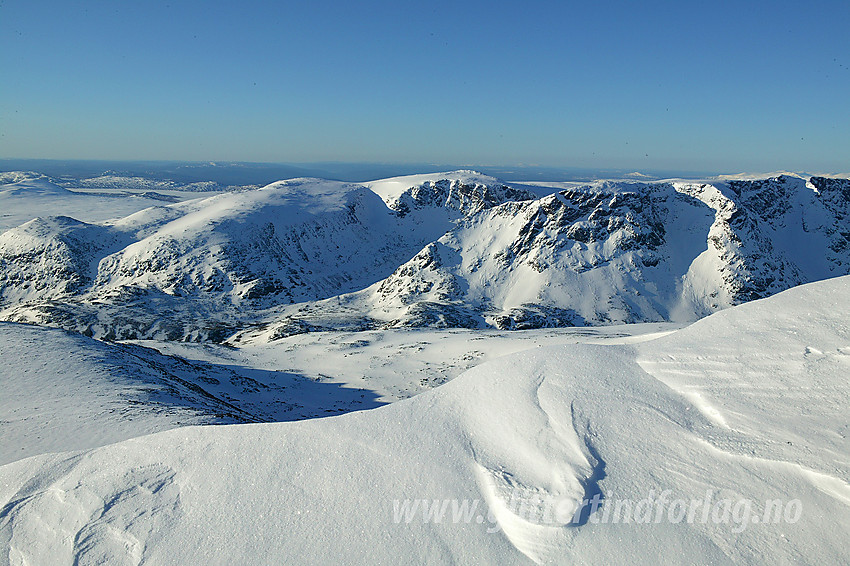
250,173
457,249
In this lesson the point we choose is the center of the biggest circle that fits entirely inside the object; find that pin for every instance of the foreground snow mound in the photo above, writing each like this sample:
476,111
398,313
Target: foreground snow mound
691,443
67,392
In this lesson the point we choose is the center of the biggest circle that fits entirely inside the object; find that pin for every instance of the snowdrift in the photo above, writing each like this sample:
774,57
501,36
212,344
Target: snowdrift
745,405
63,391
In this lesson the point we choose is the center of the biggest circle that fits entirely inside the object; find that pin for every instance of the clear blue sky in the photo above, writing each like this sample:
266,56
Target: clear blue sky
709,86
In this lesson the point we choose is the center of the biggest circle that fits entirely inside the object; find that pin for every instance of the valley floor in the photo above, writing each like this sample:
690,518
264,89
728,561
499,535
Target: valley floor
396,364
63,391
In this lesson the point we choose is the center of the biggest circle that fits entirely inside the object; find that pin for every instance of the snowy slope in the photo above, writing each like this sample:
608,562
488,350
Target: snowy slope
396,363
741,406
64,391
30,184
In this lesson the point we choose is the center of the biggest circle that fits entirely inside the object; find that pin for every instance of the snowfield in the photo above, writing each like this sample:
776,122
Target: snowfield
63,391
395,364
748,405
26,195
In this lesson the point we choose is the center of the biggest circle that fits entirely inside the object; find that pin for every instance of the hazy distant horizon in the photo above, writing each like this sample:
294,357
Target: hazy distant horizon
241,172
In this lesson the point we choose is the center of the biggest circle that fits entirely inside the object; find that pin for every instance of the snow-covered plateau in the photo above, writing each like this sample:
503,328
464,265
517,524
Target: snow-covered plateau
440,368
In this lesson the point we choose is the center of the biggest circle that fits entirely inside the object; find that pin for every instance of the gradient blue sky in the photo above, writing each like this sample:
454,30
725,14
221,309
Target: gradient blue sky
707,86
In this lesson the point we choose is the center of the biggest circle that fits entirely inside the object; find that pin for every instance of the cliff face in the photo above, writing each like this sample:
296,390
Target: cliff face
623,252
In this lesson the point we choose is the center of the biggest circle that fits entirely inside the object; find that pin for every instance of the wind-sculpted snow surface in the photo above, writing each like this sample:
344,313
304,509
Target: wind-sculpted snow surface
683,443
457,249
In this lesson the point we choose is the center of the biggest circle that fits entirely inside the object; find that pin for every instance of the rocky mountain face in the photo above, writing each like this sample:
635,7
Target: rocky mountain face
611,252
448,250
468,194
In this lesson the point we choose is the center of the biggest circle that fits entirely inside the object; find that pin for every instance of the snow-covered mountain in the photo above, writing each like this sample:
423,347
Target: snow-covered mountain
612,252
456,249
198,269
26,195
115,180
465,192
725,442
29,183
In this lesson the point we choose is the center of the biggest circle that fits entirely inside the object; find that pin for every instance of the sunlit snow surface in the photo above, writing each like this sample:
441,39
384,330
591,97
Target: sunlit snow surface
749,403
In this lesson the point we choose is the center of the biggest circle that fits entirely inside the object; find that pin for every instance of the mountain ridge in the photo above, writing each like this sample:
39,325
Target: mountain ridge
455,249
